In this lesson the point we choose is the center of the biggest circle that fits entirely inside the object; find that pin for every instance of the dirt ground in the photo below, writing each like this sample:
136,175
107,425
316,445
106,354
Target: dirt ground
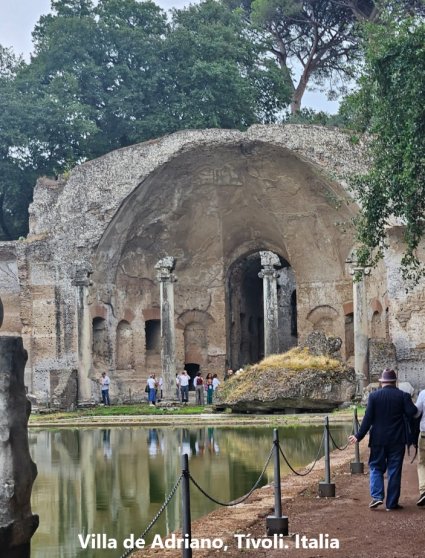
360,532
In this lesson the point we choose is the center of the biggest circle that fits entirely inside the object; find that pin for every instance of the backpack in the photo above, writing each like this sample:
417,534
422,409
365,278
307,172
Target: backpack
199,381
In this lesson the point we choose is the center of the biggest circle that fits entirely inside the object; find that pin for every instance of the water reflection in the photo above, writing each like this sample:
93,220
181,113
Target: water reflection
114,481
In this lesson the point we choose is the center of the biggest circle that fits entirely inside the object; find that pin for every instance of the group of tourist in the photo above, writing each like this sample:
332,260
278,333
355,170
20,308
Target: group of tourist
203,387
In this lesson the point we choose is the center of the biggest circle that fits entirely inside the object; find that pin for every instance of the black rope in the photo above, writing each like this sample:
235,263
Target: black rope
340,448
314,462
242,498
155,519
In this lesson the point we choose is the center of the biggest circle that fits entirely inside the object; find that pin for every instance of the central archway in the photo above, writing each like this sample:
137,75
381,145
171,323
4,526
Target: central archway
245,310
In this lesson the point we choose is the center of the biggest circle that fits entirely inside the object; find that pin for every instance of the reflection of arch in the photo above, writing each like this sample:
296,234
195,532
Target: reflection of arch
1,312
124,346
322,318
101,346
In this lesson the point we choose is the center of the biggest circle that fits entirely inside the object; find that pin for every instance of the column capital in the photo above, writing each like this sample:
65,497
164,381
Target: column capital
165,268
269,261
82,274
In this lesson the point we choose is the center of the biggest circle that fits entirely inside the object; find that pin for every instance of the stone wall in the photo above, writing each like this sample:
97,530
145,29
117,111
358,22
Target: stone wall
209,198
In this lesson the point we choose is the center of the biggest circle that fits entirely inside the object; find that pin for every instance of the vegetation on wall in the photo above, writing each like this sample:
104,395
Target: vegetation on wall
390,105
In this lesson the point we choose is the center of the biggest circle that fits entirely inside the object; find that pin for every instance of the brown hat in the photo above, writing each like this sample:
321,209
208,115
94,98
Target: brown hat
388,375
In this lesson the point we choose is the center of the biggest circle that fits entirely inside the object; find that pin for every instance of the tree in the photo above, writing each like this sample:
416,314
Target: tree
318,42
391,96
109,74
219,76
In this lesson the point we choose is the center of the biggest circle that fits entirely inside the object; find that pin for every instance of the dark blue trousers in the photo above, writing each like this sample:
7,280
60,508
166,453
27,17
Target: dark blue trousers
386,459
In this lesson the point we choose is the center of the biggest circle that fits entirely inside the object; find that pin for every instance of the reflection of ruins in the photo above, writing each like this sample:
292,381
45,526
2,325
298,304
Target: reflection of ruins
84,293
115,480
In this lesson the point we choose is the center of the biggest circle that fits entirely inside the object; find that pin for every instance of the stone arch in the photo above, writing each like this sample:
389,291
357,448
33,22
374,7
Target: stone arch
245,308
323,319
124,346
377,327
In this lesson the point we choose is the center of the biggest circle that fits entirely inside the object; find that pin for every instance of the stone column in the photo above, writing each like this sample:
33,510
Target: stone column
17,470
84,325
270,261
166,280
361,330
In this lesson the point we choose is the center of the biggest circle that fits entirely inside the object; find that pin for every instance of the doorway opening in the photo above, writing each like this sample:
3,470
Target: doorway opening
192,369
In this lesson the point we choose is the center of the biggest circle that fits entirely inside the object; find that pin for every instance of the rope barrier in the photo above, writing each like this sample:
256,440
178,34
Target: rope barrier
242,498
340,448
314,462
155,519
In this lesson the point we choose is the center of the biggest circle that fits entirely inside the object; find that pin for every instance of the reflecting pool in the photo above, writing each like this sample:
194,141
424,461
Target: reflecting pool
114,480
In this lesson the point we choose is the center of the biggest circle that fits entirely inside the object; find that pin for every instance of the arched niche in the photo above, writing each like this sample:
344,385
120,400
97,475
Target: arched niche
322,318
245,309
101,346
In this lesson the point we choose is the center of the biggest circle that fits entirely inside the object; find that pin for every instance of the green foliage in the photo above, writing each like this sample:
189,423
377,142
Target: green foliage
391,101
111,73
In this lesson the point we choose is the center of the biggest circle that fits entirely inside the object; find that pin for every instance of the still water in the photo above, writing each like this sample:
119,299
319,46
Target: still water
114,480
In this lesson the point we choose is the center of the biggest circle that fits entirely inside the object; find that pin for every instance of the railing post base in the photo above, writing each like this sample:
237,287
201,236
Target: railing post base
356,468
277,526
326,489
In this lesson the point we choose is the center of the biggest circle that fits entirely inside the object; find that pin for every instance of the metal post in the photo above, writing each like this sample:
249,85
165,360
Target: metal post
186,523
327,488
277,524
356,467
277,488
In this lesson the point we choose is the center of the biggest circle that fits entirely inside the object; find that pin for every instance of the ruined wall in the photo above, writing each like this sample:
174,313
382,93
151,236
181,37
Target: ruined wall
9,289
406,312
205,197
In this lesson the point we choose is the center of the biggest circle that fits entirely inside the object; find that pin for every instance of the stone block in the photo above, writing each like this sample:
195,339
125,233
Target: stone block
17,470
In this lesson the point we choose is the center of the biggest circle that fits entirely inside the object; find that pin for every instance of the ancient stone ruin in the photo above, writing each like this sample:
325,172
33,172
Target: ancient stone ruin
17,471
84,292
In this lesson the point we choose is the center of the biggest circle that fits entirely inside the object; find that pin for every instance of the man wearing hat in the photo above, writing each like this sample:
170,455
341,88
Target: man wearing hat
386,412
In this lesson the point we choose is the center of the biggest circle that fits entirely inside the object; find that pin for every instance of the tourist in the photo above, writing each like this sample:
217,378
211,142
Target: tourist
215,382
209,388
184,386
387,411
420,404
152,385
105,382
198,383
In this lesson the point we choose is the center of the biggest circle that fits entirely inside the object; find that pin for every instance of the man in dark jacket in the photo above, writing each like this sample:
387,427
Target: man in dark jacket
386,414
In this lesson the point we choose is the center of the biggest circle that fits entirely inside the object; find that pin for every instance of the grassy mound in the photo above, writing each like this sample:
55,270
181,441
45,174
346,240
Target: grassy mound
293,373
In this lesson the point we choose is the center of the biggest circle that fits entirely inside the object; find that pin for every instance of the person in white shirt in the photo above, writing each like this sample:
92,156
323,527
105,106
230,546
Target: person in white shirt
215,382
105,381
420,404
152,384
184,386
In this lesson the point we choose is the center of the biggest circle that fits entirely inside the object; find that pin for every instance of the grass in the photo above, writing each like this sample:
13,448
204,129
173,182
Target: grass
117,410
298,359
275,371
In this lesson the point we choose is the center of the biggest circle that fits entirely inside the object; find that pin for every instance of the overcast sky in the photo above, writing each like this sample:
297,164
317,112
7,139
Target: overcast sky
18,18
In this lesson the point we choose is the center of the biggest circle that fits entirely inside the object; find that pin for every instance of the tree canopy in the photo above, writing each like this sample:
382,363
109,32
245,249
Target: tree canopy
109,74
390,105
